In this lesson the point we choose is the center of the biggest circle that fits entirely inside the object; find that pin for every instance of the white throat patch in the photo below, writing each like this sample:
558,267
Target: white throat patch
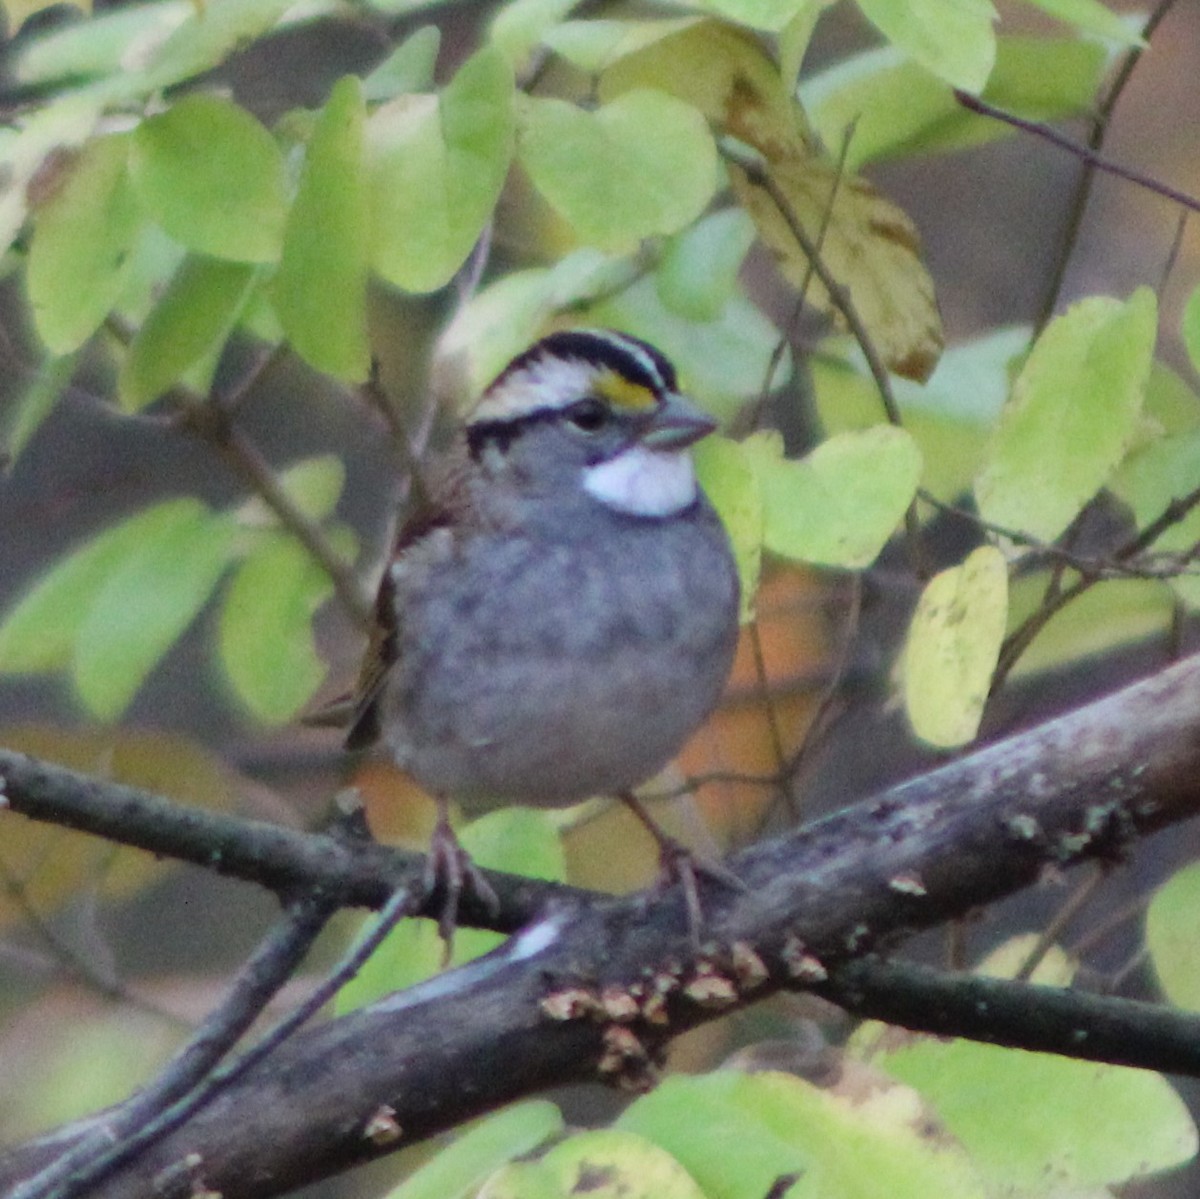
644,482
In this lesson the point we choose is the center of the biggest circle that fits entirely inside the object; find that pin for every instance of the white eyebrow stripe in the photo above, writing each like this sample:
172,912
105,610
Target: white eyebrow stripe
635,351
547,382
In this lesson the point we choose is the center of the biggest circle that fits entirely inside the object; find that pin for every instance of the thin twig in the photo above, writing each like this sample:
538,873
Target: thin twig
802,293
242,455
774,727
401,904
1083,188
1019,640
211,419
1002,1011
1095,935
272,964
74,962
817,725
376,395
758,173
752,164
1049,935
1156,566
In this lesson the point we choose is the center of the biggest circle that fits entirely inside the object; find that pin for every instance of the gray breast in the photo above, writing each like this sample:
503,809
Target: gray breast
545,669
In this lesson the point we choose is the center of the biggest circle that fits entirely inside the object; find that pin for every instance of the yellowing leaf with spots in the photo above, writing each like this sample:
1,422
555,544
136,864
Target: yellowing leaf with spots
869,245
953,644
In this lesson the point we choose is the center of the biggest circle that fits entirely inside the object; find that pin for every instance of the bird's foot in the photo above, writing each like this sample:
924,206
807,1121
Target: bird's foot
677,864
450,870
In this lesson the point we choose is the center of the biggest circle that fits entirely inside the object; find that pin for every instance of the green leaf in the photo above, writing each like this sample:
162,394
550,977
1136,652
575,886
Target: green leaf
1149,481
730,483
96,48
795,38
154,259
36,402
868,244
643,164
593,46
952,648
699,1123
736,1134
1117,612
770,15
82,239
148,596
1073,413
266,638
39,633
895,108
519,841
315,484
507,316
193,318
460,1168
951,417
838,506
612,1163
1068,1125
436,167
213,178
1092,17
1172,933
1190,328
1171,406
212,32
521,1180
698,274
409,68
320,292
520,26
951,38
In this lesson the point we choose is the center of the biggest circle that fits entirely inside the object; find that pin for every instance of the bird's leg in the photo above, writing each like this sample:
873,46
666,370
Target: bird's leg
450,868
678,864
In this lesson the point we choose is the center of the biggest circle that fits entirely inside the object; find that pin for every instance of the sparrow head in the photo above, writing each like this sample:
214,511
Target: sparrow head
597,406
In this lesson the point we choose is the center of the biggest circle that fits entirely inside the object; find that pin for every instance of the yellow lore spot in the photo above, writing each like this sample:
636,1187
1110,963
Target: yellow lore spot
624,393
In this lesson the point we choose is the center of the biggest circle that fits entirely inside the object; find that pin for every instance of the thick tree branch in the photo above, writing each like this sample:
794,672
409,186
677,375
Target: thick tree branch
597,990
1099,1028
281,859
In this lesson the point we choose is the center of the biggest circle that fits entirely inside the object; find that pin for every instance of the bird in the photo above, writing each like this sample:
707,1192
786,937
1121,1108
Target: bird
561,613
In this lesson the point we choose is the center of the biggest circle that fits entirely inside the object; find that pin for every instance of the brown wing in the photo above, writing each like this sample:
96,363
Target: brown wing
449,507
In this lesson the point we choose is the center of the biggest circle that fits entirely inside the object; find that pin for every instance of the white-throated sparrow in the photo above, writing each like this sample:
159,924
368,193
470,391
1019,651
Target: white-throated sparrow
563,614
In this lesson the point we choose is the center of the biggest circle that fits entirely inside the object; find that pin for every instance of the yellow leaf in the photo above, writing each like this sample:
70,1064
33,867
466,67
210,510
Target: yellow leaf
952,648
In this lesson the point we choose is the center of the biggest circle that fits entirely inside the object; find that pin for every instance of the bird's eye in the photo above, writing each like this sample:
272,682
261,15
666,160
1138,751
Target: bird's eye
589,415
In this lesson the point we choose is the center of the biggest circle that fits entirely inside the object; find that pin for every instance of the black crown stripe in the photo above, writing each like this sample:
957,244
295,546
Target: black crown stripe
629,356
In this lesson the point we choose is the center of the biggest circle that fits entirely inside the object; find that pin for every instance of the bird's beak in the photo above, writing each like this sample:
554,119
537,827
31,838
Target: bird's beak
676,423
